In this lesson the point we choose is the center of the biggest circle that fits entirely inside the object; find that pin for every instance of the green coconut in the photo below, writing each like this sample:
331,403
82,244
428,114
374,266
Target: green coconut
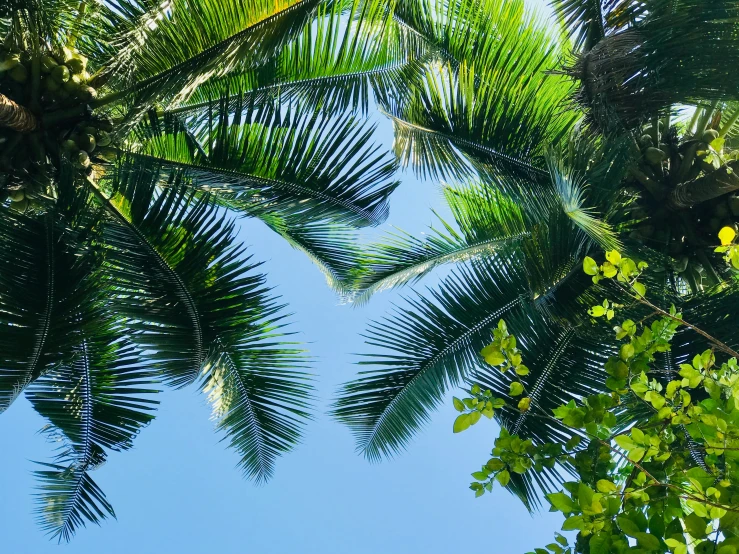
16,195
69,146
646,141
75,65
86,142
83,159
655,156
48,63
20,206
9,61
19,73
60,73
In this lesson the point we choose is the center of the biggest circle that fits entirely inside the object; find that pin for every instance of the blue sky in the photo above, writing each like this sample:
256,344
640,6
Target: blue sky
179,491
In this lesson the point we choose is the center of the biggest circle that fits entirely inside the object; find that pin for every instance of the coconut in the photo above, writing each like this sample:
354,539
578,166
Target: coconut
86,93
83,159
19,73
9,61
69,146
75,65
21,206
655,156
86,142
47,64
709,136
16,195
60,73
646,141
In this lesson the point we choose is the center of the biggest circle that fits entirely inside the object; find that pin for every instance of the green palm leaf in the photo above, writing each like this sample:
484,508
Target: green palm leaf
428,347
300,162
334,63
202,314
486,224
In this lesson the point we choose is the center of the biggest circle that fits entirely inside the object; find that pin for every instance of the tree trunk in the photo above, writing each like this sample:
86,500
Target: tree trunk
16,116
707,187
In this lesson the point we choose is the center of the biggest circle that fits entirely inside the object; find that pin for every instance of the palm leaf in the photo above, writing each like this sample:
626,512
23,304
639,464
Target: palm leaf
200,311
429,347
301,162
490,222
331,63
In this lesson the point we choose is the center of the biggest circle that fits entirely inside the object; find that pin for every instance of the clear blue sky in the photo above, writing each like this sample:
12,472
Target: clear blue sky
178,490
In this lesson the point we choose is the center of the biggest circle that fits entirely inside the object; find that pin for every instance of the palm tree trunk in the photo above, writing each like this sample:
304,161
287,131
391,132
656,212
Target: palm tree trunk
705,188
16,116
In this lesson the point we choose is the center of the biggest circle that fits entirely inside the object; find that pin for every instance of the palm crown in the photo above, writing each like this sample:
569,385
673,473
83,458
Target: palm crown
131,131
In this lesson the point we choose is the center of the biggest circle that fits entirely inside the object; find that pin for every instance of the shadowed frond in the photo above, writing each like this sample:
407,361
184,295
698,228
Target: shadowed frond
499,117
301,162
201,312
570,188
428,347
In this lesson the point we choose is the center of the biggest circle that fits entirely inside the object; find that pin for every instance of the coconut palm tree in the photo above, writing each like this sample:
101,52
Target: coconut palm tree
131,131
550,147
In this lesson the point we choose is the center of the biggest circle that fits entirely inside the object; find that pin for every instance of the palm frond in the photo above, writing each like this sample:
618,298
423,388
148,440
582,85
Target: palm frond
491,222
583,19
428,347
500,117
337,61
68,499
200,312
189,42
300,162
571,191
666,56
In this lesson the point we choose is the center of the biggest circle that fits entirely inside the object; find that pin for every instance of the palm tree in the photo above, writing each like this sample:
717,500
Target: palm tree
131,131
539,171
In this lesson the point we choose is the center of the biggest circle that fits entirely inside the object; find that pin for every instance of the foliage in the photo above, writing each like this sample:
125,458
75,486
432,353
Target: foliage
133,134
663,482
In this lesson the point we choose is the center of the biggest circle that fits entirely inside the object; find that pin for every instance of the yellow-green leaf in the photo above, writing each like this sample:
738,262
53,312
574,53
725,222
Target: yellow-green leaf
726,235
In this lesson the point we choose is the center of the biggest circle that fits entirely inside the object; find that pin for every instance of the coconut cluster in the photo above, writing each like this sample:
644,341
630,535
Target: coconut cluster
681,235
28,159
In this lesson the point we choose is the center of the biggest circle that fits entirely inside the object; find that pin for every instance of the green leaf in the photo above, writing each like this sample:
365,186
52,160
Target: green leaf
461,423
590,266
516,389
458,404
573,523
625,442
561,502
606,486
504,477
639,288
628,526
